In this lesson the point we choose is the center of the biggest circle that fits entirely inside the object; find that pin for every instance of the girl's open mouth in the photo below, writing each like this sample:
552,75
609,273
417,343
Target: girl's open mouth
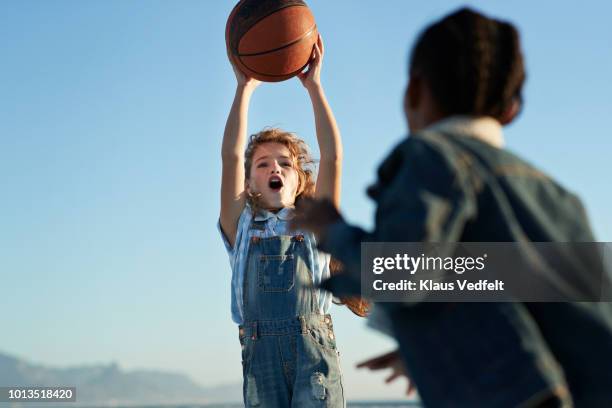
275,183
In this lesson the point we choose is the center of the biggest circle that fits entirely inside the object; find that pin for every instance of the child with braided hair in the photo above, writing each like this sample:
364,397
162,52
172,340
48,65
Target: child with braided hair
466,76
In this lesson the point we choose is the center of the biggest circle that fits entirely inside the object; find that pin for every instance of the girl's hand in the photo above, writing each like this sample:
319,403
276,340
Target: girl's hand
312,77
393,361
242,79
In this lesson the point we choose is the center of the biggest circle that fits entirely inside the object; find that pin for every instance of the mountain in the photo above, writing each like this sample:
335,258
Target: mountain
108,384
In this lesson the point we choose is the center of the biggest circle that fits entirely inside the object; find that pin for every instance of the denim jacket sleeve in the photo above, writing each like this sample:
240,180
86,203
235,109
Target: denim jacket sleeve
421,195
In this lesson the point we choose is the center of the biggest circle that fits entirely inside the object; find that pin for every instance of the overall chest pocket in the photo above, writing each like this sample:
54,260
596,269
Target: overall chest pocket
276,273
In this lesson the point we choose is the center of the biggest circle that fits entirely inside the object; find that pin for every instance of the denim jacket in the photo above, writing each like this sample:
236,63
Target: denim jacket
440,186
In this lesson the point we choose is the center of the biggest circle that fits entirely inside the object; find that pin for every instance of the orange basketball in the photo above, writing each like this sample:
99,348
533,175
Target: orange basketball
271,40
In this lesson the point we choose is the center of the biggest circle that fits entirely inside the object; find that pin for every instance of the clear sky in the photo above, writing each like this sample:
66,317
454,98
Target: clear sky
111,118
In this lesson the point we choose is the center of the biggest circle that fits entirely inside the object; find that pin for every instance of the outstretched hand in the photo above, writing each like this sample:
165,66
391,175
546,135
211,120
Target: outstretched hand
393,361
242,79
315,216
312,76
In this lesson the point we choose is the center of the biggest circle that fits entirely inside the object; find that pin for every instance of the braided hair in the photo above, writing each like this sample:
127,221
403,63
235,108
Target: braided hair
472,63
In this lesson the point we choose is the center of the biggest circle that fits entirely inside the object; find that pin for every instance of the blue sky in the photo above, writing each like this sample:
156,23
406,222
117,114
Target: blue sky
111,118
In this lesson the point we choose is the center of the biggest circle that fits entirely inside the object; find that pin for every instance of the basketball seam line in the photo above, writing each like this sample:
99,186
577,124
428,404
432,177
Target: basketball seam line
309,32
266,16
289,75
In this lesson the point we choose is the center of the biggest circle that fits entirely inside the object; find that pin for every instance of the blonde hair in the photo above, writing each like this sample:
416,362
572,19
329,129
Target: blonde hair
300,156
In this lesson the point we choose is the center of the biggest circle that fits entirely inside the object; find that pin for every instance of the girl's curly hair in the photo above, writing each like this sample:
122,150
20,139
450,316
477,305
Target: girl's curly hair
357,305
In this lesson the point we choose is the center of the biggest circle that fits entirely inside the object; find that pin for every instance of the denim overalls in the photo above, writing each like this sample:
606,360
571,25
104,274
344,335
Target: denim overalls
289,356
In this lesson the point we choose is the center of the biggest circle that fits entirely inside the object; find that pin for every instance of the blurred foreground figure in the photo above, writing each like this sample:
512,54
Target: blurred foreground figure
452,180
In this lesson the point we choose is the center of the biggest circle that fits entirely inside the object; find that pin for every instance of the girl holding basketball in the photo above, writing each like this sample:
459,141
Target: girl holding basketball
289,351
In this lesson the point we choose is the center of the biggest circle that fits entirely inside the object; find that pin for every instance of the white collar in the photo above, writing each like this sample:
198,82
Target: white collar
483,128
285,214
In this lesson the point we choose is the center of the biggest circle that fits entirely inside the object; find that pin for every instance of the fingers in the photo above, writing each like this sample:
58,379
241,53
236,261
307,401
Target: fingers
320,44
315,215
303,76
315,58
379,362
240,76
411,387
305,204
298,224
389,360
392,377
302,207
392,355
298,219
295,224
317,54
374,362
364,364
229,57
311,74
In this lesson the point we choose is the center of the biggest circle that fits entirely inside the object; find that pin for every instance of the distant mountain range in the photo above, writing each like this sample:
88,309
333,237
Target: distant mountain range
109,385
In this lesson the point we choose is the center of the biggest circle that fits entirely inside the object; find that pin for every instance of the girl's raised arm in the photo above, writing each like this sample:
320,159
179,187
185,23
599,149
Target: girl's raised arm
328,135
232,155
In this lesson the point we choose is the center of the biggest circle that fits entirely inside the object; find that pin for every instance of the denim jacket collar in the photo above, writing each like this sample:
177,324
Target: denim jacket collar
484,128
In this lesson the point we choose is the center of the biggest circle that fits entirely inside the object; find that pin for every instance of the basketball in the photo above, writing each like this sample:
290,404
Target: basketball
271,40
